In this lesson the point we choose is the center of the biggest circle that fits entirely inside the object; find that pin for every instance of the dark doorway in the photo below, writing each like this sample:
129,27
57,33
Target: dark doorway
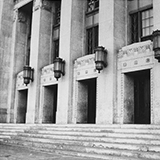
86,111
142,97
50,104
22,106
91,100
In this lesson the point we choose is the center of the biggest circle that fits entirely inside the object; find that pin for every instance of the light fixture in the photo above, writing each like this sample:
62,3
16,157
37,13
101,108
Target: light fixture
156,44
100,58
58,67
27,74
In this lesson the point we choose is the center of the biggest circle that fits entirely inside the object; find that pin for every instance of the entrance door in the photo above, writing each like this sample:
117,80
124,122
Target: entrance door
50,104
86,105
91,100
22,106
142,97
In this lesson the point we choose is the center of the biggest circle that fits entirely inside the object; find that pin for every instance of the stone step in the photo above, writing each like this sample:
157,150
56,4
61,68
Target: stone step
155,130
125,142
87,126
79,154
99,144
102,130
148,155
111,133
90,134
91,138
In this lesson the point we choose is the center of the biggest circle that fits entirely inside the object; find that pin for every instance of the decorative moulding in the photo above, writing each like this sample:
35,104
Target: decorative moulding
19,84
84,67
136,56
47,76
136,50
84,61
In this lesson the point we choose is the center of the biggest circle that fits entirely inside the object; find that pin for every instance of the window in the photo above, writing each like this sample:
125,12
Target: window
56,29
56,48
141,25
92,20
57,12
92,39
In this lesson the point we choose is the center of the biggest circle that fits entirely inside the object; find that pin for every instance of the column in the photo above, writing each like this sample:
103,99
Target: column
112,37
156,69
19,31
39,54
71,36
5,61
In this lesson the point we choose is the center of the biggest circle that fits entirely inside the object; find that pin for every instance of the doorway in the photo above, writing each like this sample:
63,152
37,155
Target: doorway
86,109
137,97
22,106
50,104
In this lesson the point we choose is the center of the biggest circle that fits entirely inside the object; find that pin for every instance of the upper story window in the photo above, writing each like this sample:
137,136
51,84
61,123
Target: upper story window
56,29
92,20
57,12
92,5
141,25
141,19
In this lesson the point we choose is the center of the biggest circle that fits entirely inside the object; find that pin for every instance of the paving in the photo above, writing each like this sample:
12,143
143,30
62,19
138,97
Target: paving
20,153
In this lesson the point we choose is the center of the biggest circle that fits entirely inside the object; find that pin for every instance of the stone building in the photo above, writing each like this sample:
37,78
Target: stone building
33,33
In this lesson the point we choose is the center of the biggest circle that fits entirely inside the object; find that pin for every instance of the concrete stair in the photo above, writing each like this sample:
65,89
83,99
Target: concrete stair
110,142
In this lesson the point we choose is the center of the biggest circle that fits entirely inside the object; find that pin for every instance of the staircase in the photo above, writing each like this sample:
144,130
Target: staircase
110,142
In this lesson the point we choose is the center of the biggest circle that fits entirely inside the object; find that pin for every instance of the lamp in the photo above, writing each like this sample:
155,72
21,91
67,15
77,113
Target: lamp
156,44
100,58
27,74
58,67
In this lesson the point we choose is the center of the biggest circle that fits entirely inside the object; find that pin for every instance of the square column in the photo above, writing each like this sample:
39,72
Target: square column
156,69
112,37
39,55
18,49
71,40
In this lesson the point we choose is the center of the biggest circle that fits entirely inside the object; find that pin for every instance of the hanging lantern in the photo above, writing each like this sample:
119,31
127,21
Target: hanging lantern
58,67
156,44
27,74
100,58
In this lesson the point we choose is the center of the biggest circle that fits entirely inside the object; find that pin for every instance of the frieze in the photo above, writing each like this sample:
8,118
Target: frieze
136,49
84,61
22,17
84,67
20,84
44,4
48,69
47,76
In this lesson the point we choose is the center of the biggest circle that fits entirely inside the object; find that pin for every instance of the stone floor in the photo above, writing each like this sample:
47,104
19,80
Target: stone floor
18,153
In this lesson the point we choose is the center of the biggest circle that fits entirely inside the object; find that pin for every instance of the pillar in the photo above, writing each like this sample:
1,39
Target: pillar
71,40
5,61
19,37
112,37
156,69
39,54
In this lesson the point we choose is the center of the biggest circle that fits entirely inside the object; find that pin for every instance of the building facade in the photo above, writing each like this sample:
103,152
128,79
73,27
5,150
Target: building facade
35,32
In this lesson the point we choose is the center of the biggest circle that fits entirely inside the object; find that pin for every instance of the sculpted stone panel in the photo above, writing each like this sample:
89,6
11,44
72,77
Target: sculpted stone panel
47,77
84,67
136,49
20,84
44,4
136,56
